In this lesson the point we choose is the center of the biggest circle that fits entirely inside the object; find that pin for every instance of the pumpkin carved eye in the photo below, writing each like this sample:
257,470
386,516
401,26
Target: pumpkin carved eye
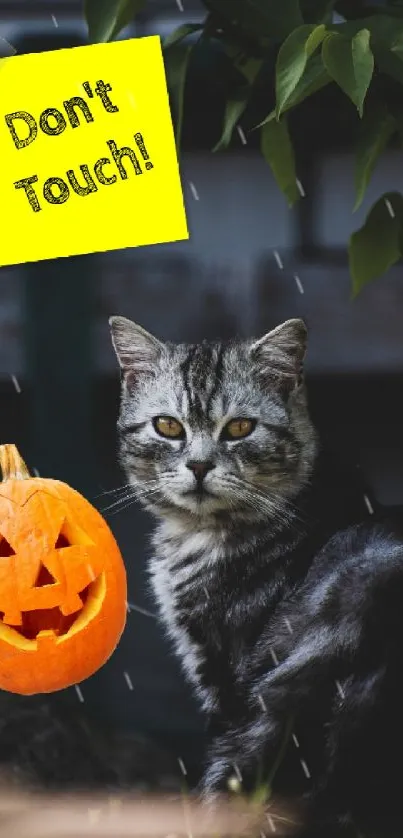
61,542
5,548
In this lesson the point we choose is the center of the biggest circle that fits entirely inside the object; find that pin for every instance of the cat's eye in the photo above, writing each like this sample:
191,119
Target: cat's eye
168,427
238,428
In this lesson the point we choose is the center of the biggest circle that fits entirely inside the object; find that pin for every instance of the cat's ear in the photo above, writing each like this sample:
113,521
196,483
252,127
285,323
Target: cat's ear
137,351
279,355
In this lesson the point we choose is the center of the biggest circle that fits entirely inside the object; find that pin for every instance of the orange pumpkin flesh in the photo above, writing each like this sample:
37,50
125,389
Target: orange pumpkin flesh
63,587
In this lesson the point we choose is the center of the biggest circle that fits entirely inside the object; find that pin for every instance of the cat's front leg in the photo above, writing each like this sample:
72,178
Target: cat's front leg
237,755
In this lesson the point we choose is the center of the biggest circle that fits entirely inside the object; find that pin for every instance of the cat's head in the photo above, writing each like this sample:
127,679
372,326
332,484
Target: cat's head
214,429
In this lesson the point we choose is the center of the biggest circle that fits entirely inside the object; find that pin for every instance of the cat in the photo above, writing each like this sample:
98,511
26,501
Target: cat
283,602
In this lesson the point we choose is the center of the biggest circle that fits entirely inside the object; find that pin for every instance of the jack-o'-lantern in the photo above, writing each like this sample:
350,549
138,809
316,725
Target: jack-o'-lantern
62,583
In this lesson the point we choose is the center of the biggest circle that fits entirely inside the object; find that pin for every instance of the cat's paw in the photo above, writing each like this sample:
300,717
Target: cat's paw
221,778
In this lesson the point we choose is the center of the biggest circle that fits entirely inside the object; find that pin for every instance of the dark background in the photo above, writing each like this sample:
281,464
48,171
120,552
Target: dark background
225,280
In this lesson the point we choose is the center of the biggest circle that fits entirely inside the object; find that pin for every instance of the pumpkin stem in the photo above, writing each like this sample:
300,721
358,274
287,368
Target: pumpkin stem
11,463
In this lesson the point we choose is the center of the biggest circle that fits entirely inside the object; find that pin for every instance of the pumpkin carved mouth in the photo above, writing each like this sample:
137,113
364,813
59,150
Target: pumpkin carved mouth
50,624
47,619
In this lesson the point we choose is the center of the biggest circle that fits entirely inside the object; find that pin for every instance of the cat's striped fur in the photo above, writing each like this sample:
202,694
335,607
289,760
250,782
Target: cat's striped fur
270,618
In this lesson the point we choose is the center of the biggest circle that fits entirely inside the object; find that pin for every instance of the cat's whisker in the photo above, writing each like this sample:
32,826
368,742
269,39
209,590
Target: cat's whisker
133,494
123,507
258,500
114,491
148,494
119,502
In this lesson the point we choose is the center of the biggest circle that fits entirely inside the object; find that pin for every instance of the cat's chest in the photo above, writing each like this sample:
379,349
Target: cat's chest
182,575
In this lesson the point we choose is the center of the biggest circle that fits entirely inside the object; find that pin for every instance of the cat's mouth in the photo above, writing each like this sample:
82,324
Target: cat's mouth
198,501
200,492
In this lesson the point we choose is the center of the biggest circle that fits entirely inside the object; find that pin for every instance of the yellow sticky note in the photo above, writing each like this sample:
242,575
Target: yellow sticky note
87,149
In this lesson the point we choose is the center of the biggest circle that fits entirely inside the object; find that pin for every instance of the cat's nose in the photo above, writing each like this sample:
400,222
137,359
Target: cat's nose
200,468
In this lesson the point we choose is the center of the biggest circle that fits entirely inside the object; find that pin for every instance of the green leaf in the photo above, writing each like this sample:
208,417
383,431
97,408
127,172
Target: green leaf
278,151
386,39
377,127
376,246
363,63
383,28
181,33
106,18
249,67
233,110
292,59
314,78
350,63
268,118
259,18
315,39
176,61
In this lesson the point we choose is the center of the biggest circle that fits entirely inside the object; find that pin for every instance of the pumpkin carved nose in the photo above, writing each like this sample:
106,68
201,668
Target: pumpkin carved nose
200,468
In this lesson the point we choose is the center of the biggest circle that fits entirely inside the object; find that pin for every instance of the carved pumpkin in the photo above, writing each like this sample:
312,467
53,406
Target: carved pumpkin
62,583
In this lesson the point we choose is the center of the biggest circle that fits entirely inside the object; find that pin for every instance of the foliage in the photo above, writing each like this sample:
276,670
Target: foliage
311,44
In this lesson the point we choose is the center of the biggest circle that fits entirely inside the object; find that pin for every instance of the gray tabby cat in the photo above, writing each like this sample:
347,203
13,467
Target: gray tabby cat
267,615
210,444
